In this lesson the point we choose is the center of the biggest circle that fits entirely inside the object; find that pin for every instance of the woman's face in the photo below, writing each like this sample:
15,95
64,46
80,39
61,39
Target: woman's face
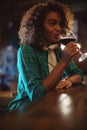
52,27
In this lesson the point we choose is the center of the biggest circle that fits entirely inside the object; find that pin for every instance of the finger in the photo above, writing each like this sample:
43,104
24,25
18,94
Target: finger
72,47
64,84
68,86
61,85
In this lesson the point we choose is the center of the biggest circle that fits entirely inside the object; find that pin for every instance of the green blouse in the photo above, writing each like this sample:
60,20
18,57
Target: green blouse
33,68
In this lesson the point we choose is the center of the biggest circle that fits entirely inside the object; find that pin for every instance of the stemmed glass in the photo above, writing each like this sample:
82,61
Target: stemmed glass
71,37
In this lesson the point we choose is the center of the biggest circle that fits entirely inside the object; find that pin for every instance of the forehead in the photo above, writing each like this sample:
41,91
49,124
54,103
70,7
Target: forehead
52,15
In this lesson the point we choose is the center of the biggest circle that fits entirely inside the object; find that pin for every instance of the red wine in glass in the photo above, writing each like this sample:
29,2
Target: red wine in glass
66,40
72,38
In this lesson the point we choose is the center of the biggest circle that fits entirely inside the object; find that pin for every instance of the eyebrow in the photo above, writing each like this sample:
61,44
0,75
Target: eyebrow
52,20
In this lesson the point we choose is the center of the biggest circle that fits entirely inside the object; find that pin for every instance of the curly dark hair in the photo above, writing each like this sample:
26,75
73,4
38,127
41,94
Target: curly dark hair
31,27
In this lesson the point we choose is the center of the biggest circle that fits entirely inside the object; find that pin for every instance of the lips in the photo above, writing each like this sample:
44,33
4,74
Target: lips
56,36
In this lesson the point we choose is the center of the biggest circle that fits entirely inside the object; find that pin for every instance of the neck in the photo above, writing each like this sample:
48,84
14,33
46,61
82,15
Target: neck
46,44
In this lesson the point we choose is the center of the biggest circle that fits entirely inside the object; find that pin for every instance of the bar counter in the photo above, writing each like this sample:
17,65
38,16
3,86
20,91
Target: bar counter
64,109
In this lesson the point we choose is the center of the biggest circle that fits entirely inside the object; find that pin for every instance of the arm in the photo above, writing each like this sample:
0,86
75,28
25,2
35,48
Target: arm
29,75
74,79
68,53
75,75
51,80
67,83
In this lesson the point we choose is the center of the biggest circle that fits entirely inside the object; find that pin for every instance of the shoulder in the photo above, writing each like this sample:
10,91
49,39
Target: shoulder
25,49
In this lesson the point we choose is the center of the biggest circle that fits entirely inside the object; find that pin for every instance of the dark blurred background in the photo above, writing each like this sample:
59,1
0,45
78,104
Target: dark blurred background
11,12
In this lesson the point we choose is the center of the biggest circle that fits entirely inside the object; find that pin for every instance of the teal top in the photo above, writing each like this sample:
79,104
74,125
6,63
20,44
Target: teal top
32,69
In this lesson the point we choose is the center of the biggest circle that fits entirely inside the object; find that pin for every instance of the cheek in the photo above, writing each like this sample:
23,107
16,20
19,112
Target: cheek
48,35
47,29
48,32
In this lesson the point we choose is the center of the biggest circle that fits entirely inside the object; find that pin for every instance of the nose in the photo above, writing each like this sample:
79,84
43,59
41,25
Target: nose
58,27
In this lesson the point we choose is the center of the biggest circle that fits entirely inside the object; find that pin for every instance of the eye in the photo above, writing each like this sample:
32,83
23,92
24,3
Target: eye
52,23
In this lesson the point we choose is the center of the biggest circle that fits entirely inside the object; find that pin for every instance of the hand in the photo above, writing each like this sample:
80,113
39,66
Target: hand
70,50
64,84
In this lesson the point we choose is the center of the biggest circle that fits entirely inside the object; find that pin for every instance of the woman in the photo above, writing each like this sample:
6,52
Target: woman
40,29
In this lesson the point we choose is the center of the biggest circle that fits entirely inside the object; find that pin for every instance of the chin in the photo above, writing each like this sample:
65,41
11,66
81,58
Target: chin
54,42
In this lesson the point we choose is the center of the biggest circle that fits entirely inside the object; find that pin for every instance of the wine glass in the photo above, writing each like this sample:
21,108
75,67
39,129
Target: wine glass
70,38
